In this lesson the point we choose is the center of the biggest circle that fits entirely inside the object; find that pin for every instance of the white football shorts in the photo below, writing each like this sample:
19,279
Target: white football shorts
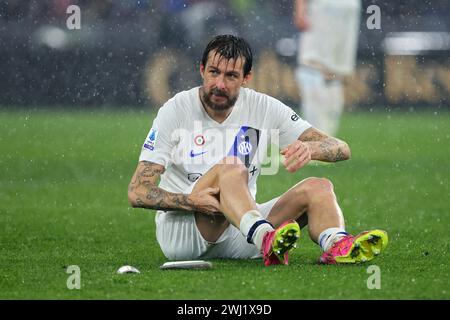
179,238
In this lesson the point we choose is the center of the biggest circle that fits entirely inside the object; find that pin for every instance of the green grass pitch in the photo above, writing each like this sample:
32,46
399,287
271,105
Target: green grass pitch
63,184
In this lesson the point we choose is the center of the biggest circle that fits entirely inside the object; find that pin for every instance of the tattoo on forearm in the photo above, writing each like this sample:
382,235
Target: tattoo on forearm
160,199
340,155
139,202
149,195
312,136
329,148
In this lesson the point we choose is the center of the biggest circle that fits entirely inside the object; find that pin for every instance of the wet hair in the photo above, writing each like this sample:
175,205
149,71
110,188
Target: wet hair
230,47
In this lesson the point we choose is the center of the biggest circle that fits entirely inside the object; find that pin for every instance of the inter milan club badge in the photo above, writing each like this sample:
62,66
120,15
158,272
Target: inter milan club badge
199,140
245,148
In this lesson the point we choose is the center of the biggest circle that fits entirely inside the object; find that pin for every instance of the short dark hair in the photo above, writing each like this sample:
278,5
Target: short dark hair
230,47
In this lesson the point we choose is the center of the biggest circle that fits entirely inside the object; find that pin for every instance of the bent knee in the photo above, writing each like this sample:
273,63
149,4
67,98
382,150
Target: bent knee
314,186
232,165
227,166
231,160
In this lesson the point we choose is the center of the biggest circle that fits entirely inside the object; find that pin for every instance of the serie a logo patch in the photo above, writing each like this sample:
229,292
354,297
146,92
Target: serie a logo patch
151,140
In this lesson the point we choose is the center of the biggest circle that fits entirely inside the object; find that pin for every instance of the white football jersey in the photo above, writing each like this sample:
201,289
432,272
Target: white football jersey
333,35
188,142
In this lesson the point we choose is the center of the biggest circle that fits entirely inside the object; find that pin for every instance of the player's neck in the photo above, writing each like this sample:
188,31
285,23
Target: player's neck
217,115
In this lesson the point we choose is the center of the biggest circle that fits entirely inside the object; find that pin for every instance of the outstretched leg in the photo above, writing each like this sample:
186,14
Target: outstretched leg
312,202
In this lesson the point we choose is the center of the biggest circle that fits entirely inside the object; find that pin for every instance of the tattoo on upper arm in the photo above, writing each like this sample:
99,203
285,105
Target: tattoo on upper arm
151,172
148,174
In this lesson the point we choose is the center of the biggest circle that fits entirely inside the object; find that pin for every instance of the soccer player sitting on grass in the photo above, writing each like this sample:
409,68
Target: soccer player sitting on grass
205,146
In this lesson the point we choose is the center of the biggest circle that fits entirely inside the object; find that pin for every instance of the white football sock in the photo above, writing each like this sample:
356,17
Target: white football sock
253,222
329,236
259,233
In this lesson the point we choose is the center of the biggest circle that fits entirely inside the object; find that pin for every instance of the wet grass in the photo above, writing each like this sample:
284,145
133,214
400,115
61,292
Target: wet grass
63,202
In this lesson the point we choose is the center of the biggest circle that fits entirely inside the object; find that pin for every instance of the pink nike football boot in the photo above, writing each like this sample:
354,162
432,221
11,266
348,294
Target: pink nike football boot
356,249
277,243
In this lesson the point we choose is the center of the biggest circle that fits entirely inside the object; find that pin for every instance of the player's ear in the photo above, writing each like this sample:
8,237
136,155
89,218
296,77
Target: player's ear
248,77
202,69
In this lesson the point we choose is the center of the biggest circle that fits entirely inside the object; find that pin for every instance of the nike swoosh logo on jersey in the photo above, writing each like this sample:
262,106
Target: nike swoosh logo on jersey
192,154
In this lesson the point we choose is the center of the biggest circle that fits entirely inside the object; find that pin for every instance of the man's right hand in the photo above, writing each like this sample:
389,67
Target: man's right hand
206,201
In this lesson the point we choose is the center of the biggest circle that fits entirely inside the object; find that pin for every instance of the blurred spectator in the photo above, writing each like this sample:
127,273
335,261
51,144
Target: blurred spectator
327,53
108,58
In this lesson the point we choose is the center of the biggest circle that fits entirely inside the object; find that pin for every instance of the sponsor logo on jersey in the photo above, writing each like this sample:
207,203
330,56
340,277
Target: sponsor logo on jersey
192,177
192,154
295,117
150,142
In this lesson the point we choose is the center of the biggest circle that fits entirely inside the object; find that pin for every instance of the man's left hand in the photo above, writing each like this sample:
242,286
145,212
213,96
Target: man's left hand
297,155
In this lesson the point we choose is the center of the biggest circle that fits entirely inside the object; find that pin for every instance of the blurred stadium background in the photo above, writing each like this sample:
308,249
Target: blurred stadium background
64,172
140,52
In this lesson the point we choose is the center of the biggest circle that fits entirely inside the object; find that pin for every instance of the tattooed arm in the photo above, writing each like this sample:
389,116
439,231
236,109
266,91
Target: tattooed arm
323,147
314,145
143,192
